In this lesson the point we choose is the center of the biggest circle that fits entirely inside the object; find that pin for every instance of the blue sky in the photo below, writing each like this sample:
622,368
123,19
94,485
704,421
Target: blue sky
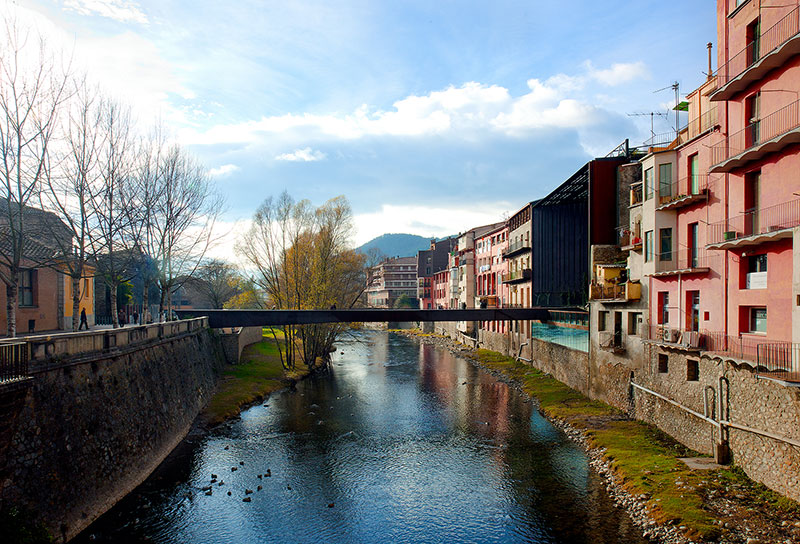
431,117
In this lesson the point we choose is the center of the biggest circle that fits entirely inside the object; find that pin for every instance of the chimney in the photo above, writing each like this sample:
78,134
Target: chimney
709,45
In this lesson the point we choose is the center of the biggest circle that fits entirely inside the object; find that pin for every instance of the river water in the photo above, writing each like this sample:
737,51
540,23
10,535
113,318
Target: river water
400,442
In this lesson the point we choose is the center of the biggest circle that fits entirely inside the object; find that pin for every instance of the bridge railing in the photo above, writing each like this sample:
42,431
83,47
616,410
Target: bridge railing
13,361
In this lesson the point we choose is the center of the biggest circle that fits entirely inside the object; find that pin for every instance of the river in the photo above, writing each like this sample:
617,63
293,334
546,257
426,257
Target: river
400,442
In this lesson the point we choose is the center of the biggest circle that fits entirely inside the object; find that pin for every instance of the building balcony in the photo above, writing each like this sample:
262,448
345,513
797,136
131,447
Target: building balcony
517,276
515,248
683,261
683,192
636,195
705,122
772,49
755,226
674,338
630,242
486,301
768,135
612,341
609,292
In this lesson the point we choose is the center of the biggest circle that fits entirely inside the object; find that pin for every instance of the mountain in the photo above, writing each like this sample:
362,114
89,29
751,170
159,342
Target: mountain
397,245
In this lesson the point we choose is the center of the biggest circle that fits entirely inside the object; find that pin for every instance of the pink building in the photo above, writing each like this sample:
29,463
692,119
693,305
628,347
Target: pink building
490,266
441,290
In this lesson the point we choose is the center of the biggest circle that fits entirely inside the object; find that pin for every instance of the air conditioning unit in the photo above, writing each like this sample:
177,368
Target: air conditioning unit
669,335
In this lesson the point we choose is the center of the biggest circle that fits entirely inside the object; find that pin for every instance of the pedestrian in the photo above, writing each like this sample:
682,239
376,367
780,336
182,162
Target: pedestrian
121,318
135,317
83,320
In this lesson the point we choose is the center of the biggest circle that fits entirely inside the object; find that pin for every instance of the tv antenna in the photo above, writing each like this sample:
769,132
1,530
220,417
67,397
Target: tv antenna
652,115
675,87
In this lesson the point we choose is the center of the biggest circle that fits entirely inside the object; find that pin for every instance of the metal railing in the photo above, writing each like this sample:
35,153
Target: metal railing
705,121
675,337
694,185
768,355
756,221
779,122
517,275
766,43
606,291
779,360
13,361
636,194
612,340
684,259
519,245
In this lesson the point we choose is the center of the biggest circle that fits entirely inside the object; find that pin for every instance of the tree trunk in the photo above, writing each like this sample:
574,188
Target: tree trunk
114,312
162,304
145,302
11,309
76,300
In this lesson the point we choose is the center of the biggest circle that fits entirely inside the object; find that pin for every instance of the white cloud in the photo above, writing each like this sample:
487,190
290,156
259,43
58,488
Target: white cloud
439,220
301,155
223,171
123,11
469,111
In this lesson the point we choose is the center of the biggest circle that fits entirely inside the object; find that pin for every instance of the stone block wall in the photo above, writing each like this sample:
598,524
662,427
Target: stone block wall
94,427
567,365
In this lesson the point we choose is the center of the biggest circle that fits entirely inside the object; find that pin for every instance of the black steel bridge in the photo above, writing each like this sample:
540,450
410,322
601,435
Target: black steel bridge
219,319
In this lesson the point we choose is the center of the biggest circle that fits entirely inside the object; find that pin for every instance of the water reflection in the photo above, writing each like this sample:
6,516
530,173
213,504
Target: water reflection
403,441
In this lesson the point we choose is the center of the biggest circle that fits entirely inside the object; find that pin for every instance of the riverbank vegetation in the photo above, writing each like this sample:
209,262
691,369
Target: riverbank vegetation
259,374
302,260
646,459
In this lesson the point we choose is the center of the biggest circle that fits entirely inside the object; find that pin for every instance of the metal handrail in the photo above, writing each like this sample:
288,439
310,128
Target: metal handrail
694,185
755,50
13,361
684,259
771,126
756,221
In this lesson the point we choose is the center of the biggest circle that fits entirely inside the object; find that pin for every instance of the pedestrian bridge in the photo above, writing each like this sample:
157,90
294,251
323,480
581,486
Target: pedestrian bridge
219,319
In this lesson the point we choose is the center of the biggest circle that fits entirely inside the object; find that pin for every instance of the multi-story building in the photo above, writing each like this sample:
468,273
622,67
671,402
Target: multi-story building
390,280
517,277
490,291
430,261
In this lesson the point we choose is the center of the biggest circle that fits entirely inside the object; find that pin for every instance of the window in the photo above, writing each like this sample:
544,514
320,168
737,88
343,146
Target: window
602,320
648,184
27,280
753,35
752,106
756,277
663,363
694,175
692,370
758,320
634,318
693,305
665,246
665,180
663,307
648,246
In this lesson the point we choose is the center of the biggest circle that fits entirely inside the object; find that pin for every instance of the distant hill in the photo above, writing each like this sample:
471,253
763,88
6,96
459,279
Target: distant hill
397,245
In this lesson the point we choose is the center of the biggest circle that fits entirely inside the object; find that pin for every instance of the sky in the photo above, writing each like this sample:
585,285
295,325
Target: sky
431,117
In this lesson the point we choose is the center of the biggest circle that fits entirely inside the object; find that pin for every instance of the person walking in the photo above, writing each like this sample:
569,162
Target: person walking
83,320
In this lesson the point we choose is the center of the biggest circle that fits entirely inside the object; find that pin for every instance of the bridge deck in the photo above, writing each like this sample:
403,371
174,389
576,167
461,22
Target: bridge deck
251,318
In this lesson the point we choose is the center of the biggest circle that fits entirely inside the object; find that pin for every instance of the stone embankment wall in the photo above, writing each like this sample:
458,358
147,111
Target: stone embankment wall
95,423
236,339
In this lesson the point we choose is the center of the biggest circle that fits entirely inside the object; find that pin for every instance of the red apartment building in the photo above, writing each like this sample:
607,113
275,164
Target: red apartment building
490,266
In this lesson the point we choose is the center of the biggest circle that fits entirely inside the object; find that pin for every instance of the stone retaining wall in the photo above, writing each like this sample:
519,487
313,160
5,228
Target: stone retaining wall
94,425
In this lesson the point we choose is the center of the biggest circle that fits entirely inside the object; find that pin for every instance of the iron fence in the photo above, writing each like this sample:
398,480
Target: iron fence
763,45
701,123
694,185
13,361
755,221
684,259
516,246
779,360
606,291
517,275
762,130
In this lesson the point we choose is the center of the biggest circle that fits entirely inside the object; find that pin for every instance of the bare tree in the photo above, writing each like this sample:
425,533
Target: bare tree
68,188
117,225
217,282
179,208
33,87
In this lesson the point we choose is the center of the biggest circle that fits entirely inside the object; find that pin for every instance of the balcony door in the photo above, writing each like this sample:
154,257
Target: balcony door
752,122
694,175
665,181
694,310
752,202
693,244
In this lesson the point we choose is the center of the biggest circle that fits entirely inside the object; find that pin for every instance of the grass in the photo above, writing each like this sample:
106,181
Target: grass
645,458
258,374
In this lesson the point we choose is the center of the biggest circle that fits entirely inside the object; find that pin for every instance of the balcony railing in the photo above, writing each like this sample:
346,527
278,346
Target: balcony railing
636,194
517,276
516,247
753,135
683,261
769,40
779,360
682,192
705,121
607,291
612,341
752,224
13,361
